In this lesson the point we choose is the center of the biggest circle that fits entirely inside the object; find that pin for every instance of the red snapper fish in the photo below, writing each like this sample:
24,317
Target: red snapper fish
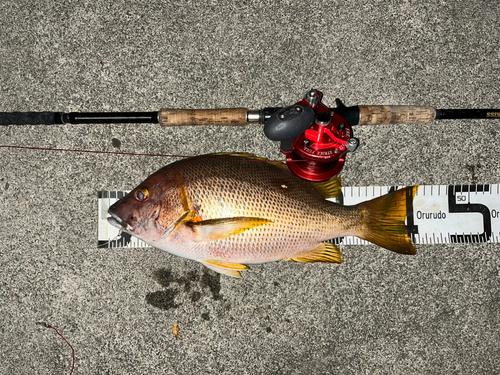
229,210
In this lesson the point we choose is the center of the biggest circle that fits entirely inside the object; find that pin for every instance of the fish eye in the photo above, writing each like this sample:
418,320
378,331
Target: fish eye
142,194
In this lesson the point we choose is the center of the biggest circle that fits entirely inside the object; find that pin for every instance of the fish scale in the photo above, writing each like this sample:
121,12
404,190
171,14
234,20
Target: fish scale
297,209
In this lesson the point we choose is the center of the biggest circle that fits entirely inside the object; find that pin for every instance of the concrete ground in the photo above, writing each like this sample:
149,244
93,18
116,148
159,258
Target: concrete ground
378,313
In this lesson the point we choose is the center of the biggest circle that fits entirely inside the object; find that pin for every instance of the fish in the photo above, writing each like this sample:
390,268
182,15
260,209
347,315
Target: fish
231,210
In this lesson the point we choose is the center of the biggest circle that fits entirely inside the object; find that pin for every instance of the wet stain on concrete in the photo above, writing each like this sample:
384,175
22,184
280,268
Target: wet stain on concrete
164,299
194,284
472,170
116,143
205,316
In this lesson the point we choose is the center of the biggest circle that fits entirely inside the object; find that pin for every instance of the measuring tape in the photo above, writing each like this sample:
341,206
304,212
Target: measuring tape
439,214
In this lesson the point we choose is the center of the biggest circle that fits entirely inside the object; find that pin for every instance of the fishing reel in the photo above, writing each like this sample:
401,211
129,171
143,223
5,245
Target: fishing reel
314,138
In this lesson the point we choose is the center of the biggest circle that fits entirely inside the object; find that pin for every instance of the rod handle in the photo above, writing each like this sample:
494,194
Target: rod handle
395,114
29,118
223,116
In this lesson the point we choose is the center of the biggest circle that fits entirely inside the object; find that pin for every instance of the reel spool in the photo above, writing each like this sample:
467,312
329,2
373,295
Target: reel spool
314,139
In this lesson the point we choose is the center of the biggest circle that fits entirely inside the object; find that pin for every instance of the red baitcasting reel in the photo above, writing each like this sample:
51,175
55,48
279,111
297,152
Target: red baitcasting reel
314,138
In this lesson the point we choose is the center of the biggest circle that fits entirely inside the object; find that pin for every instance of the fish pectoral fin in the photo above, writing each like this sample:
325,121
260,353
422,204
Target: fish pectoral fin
218,229
325,252
226,268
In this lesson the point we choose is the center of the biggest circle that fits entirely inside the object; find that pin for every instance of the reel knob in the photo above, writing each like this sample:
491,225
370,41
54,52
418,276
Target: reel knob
289,123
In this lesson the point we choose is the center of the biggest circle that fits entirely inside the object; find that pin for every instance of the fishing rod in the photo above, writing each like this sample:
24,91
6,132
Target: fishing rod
314,138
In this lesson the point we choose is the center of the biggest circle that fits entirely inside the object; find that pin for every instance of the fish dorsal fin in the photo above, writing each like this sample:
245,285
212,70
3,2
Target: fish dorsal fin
218,229
325,252
226,268
329,189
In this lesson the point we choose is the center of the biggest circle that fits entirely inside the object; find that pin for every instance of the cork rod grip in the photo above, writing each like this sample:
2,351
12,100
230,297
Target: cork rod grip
395,114
224,116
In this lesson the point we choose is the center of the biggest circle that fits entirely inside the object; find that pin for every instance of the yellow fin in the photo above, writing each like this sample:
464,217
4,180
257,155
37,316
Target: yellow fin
230,265
384,220
325,252
218,229
226,268
329,189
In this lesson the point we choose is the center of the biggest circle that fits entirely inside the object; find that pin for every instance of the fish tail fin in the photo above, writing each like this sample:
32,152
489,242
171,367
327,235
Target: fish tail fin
384,220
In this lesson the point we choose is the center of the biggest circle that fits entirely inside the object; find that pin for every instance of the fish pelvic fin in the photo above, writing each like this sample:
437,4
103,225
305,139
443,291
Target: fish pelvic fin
329,189
225,268
218,229
384,220
324,252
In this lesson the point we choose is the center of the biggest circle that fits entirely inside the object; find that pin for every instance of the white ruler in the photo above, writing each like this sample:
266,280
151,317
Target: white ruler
439,214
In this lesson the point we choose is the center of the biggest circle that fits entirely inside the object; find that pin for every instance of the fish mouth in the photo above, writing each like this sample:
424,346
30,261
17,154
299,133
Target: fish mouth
117,222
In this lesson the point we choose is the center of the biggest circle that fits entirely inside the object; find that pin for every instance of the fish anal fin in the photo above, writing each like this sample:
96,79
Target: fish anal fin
218,229
226,268
324,252
329,189
229,265
384,220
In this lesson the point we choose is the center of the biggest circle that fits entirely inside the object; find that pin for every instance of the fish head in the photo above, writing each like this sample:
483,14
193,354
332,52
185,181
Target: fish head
150,211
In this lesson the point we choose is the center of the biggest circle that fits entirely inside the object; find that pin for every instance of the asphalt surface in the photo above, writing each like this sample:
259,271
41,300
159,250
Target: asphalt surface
378,312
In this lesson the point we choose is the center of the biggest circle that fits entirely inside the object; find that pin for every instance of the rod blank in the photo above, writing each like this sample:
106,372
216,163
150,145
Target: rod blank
29,118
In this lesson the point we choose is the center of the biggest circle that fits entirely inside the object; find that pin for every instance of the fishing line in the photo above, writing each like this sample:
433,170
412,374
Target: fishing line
108,243
130,153
66,341
93,151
